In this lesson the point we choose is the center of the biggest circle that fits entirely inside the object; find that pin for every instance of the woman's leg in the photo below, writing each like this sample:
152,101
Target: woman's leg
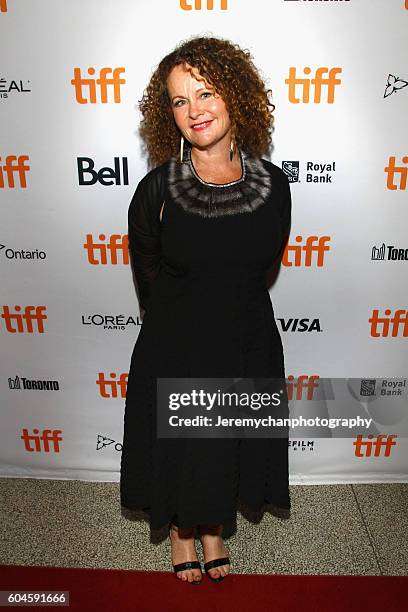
214,548
183,549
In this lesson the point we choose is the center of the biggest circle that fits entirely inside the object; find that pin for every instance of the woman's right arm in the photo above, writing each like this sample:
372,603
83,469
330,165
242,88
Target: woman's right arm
144,233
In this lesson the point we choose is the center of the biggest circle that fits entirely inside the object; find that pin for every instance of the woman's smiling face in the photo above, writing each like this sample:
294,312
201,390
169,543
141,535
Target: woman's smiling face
199,112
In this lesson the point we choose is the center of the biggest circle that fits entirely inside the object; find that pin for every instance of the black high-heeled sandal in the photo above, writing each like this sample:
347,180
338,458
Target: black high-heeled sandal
187,565
215,563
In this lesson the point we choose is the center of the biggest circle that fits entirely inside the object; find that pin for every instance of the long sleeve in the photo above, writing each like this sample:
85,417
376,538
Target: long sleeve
286,210
144,233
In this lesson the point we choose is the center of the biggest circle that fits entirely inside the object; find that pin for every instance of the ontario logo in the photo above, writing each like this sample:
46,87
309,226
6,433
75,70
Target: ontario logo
394,84
105,442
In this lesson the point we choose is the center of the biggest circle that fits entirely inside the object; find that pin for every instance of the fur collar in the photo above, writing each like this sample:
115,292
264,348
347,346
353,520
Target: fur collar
209,200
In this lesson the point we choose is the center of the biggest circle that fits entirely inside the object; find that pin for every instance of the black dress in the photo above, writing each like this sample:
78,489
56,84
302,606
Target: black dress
201,275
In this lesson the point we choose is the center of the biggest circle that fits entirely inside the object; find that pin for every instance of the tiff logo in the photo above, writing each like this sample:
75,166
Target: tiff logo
117,243
103,82
392,170
382,441
24,322
185,5
301,384
318,82
9,169
313,244
42,442
399,319
110,388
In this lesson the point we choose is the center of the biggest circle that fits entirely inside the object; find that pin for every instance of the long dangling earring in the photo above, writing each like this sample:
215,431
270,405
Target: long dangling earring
232,148
181,149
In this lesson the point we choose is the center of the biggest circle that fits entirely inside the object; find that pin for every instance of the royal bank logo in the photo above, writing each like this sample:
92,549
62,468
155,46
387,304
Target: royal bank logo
9,87
387,387
198,5
118,175
13,254
393,85
291,169
110,322
105,442
316,172
94,89
367,387
388,253
20,383
320,86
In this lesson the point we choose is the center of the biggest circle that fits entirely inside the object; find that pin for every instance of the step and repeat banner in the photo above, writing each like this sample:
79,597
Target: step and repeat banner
72,72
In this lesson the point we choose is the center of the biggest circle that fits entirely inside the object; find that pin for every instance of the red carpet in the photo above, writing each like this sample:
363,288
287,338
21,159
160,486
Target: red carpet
97,589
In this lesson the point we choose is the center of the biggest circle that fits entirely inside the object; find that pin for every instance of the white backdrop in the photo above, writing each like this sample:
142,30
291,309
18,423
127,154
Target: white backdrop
71,425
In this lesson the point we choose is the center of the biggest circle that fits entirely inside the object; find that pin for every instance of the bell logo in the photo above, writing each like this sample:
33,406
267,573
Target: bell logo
3,6
42,442
314,244
302,383
9,169
381,441
24,322
399,319
103,81
318,81
110,388
105,175
117,242
185,5
391,170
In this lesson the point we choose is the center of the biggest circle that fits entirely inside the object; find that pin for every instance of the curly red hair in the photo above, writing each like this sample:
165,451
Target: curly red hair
231,72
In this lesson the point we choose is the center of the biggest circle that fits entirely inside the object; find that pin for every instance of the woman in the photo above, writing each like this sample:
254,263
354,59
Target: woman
204,226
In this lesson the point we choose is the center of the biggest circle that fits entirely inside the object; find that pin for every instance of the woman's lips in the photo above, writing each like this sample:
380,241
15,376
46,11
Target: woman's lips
201,126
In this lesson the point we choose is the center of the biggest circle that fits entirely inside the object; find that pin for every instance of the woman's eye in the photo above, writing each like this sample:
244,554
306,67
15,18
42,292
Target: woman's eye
206,93
178,102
